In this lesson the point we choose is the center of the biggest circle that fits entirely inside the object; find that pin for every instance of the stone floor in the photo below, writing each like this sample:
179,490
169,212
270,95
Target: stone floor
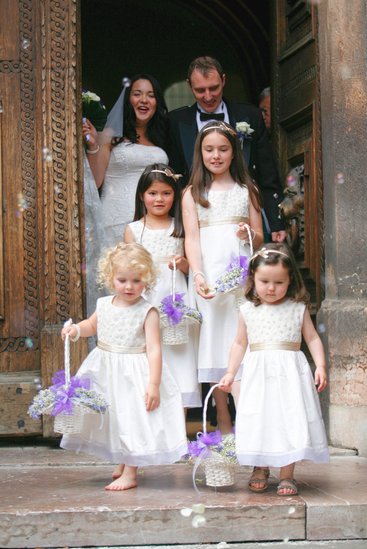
53,498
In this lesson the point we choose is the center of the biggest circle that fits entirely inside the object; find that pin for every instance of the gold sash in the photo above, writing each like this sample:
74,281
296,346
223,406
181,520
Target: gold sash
224,221
120,348
281,346
162,258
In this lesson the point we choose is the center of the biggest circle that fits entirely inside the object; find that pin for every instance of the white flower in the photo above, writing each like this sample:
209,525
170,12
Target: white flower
90,96
244,128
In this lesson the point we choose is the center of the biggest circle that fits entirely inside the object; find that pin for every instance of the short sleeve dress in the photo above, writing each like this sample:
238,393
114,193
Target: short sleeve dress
278,420
181,359
219,246
118,368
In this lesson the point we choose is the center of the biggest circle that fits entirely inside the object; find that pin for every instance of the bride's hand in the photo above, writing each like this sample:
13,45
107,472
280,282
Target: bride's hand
90,134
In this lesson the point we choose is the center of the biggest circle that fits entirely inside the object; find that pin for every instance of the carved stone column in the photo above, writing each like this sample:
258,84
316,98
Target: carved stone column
343,315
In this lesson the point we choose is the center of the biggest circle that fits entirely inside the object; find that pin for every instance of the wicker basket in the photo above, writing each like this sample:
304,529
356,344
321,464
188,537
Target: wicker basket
218,471
174,334
70,423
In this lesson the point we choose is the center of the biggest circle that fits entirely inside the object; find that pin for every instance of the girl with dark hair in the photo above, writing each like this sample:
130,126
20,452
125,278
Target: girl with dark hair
158,227
221,211
116,162
278,419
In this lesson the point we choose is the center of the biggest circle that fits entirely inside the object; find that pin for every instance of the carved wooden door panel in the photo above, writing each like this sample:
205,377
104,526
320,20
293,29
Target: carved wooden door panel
297,134
40,246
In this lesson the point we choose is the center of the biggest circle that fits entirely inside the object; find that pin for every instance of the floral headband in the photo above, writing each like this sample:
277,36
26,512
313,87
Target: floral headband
264,253
221,126
168,173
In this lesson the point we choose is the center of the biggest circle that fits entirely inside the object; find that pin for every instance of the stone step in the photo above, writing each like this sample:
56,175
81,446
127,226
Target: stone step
52,498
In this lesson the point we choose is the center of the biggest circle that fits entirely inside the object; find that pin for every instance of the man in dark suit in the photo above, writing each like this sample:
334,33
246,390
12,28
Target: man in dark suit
207,79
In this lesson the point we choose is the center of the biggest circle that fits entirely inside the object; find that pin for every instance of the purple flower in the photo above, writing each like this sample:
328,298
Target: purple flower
204,440
63,394
173,307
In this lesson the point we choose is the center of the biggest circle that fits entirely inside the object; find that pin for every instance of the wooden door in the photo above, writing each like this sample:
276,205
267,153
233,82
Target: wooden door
41,278
297,133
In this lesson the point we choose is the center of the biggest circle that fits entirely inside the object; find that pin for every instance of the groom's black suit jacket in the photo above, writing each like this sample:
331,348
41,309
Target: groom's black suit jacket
257,152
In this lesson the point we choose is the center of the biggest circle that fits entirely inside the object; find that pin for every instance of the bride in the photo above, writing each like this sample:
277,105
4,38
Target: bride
118,162
114,164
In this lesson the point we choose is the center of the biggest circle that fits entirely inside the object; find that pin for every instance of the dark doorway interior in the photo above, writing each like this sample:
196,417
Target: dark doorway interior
124,37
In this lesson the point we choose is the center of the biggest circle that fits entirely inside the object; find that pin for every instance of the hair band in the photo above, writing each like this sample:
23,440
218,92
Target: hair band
222,127
168,173
264,253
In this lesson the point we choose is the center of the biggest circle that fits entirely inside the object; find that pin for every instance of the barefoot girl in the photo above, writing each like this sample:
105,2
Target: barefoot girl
158,227
278,419
144,424
218,202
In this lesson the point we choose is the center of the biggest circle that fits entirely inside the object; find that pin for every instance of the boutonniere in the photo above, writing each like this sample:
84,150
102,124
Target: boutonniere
244,131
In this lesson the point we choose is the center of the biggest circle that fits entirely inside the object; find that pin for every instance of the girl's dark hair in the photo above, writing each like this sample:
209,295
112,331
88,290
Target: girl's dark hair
296,289
201,177
157,130
148,176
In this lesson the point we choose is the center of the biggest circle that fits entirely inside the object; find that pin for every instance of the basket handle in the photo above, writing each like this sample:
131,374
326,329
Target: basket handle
248,229
67,354
206,405
173,280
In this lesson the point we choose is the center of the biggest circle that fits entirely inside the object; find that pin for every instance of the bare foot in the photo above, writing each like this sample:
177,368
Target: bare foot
119,469
126,481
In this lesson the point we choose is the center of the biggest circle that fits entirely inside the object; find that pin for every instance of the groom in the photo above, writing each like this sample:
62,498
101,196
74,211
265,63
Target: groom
207,79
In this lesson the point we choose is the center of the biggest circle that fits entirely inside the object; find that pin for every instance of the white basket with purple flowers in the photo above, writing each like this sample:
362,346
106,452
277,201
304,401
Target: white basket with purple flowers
67,399
234,277
176,316
215,452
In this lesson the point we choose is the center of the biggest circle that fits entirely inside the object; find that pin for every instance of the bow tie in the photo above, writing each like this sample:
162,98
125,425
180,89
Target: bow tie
211,116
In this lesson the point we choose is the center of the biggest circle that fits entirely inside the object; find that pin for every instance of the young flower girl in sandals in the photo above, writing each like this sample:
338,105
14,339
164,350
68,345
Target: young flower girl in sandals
278,419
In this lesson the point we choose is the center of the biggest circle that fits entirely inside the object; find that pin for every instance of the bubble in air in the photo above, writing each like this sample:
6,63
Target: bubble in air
29,342
22,203
47,156
126,82
186,512
339,178
198,521
26,43
198,508
291,510
291,180
345,71
321,328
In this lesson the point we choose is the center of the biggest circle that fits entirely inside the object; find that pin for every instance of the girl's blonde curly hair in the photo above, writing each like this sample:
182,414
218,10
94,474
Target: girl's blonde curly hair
132,257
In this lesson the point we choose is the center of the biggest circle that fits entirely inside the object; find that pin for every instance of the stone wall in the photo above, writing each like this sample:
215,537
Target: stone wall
343,47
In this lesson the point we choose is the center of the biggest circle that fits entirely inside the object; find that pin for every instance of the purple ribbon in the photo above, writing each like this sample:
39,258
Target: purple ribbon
204,440
63,395
172,308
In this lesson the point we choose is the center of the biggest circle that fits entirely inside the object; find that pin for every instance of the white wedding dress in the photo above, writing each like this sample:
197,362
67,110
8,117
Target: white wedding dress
127,163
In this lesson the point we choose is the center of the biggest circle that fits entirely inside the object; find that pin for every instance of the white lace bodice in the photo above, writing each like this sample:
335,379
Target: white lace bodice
225,204
274,323
121,326
158,242
127,162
